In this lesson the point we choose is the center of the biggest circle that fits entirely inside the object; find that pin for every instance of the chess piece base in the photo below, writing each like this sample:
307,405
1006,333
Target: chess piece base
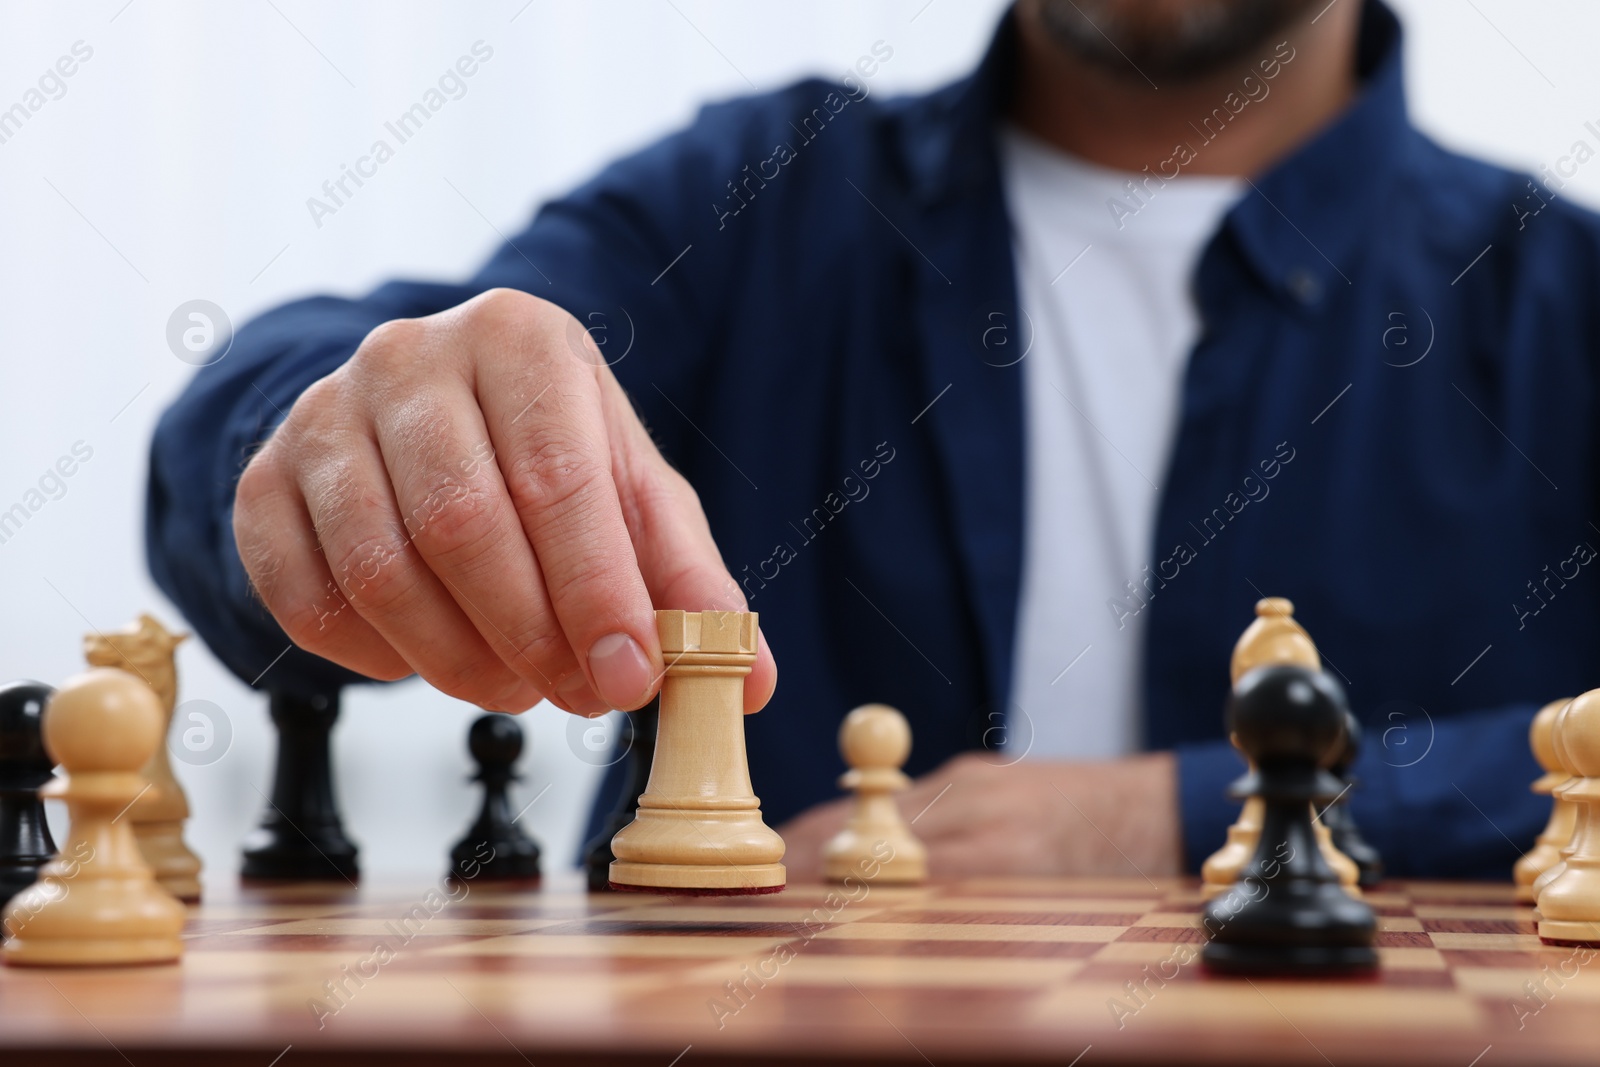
902,870
79,921
1567,932
276,854
728,849
176,868
91,953
755,877
858,854
1304,928
508,864
1309,960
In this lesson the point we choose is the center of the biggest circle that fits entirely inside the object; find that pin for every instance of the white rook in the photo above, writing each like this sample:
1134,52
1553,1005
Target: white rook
699,826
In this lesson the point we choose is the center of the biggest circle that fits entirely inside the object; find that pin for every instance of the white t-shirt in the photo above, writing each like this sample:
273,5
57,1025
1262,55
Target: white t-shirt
1104,279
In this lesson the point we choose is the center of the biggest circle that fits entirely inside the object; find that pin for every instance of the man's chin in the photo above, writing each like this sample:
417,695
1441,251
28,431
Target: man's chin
1164,40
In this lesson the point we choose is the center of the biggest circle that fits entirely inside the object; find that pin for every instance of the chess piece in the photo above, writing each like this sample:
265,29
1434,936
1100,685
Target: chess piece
1288,914
1345,835
301,837
25,843
638,743
495,848
1221,869
698,829
875,740
1579,820
1569,905
1343,866
145,649
1580,817
1273,637
1557,834
97,902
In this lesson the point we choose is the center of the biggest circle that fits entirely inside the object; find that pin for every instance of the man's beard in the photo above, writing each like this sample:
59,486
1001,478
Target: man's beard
1165,40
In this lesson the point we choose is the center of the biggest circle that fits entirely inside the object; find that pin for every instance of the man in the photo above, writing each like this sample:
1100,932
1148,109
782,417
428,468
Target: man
1001,404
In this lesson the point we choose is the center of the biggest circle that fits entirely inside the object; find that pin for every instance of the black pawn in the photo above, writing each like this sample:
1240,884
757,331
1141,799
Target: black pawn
1288,914
495,848
638,742
25,843
301,837
1337,817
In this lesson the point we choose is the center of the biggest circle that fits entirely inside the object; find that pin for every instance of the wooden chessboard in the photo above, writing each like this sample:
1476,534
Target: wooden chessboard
983,971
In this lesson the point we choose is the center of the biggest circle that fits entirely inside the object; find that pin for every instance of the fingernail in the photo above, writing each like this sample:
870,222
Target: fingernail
620,670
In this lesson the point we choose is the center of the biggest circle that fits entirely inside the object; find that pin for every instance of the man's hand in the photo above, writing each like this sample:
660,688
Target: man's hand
980,817
471,498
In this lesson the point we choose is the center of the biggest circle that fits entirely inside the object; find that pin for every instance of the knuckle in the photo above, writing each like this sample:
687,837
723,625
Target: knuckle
667,490
456,522
388,364
507,310
313,420
682,491
592,585
341,494
554,471
545,647
668,496
390,341
321,396
374,574
539,332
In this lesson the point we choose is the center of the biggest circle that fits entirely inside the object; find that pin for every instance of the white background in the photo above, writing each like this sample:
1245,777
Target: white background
178,164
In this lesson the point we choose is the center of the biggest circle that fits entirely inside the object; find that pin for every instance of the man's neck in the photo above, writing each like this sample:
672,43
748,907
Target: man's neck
1231,126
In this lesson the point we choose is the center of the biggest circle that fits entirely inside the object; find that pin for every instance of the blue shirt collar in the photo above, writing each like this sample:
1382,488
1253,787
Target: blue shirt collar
1299,226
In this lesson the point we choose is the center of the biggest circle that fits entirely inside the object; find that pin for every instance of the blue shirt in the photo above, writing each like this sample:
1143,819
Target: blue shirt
822,280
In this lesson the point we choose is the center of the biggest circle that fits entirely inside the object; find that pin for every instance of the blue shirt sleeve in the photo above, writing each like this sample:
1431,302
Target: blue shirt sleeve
1448,799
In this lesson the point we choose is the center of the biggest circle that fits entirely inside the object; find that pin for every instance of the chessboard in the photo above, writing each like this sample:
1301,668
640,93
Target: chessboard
995,970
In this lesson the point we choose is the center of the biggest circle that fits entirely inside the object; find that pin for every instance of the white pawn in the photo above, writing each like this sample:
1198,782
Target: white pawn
875,740
1557,834
1569,904
97,902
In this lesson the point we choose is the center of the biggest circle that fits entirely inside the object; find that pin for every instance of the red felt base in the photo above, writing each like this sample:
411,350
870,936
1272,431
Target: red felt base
741,891
1568,944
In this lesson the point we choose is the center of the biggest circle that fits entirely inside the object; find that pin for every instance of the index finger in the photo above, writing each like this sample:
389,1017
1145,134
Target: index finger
544,417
